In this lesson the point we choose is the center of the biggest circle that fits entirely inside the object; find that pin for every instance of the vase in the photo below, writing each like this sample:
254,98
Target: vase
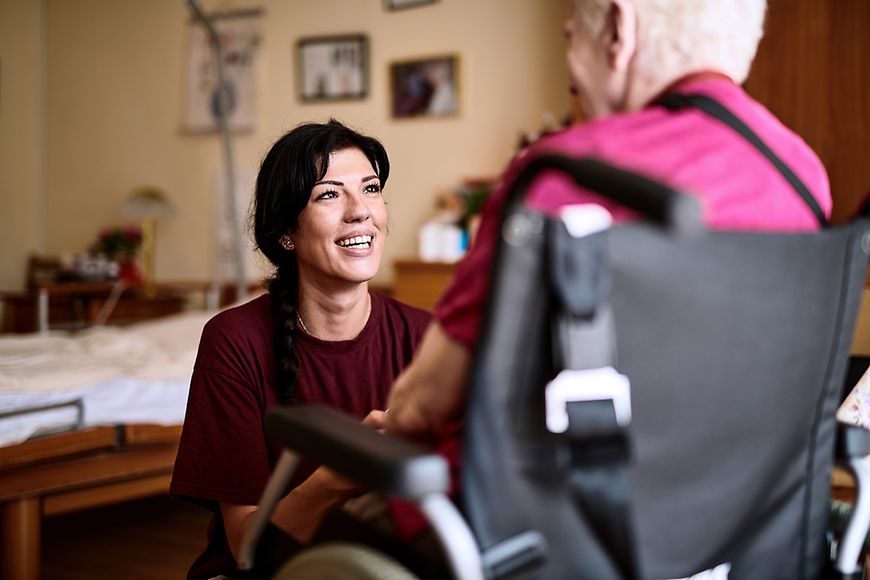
129,273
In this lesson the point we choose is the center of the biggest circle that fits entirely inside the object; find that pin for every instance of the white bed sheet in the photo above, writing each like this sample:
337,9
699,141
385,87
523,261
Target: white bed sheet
855,410
135,374
141,374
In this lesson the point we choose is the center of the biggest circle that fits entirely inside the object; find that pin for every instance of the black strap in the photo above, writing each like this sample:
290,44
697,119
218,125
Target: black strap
598,476
600,480
677,101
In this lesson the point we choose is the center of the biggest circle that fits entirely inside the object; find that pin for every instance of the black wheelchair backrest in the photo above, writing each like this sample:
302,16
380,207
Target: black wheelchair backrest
734,345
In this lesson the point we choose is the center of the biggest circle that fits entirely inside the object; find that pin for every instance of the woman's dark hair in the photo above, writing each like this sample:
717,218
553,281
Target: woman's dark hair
287,175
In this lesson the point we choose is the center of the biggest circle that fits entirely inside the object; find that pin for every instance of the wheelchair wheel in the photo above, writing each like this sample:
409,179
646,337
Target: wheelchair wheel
343,562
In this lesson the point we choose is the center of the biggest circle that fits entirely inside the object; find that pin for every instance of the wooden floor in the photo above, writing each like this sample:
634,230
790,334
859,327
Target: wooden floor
152,538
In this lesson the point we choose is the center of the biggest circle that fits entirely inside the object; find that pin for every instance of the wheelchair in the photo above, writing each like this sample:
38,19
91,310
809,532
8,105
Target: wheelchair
650,400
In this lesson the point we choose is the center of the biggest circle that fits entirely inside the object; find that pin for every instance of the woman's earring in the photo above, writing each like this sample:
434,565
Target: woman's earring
287,244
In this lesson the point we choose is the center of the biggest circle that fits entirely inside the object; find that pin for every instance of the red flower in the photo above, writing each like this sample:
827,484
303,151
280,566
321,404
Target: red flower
117,243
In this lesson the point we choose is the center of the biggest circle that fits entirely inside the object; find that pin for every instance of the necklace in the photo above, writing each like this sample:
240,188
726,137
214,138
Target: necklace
302,324
305,329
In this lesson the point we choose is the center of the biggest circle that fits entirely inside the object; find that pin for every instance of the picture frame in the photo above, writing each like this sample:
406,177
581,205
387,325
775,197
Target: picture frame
333,68
240,33
425,87
393,5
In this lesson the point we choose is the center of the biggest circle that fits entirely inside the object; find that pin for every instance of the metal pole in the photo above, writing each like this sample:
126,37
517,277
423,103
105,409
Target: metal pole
42,311
223,110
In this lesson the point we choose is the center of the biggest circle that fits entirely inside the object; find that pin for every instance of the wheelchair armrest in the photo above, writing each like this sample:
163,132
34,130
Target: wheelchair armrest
377,461
853,449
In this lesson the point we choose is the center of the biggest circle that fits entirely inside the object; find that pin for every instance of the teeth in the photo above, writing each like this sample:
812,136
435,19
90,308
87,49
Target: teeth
355,241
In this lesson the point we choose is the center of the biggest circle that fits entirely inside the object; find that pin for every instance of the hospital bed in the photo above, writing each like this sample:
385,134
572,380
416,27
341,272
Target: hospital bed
87,419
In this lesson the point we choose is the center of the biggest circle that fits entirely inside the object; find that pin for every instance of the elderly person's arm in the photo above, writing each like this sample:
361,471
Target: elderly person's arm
431,391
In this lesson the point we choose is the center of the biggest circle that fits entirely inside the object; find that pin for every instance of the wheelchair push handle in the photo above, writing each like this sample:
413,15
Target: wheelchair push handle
655,201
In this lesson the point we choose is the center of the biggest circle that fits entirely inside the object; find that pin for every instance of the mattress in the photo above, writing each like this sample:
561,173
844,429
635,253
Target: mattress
108,375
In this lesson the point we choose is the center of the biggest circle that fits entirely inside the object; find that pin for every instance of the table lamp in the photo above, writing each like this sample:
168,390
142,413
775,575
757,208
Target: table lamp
147,204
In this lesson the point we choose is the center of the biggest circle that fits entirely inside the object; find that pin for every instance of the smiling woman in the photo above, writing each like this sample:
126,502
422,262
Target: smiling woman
318,336
340,234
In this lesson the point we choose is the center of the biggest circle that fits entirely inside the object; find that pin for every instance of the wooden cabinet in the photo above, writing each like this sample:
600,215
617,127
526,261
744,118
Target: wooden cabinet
419,283
813,72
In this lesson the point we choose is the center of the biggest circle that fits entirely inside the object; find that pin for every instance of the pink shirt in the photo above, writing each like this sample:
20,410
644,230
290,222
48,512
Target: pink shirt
738,187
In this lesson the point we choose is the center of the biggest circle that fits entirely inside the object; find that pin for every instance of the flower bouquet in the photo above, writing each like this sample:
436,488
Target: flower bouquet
120,245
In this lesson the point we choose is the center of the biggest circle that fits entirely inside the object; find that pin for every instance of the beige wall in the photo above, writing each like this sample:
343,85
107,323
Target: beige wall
21,136
114,103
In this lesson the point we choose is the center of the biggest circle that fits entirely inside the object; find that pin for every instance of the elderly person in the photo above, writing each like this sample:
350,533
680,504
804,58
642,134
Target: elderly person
625,58
318,336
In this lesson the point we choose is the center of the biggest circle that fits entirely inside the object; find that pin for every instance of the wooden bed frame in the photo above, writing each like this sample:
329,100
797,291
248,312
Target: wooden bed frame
72,471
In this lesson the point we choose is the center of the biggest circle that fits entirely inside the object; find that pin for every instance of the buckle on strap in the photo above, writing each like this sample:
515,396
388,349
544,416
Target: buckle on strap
577,386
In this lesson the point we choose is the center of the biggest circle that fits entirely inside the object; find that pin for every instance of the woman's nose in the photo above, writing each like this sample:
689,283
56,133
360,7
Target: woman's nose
357,209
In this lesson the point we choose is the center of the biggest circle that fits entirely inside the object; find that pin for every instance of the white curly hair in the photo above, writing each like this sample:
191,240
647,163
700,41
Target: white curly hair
676,37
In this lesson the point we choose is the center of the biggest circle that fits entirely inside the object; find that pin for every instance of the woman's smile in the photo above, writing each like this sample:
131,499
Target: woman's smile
357,242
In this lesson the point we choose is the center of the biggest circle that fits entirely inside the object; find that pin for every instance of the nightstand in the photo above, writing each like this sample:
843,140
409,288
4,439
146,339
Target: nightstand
419,283
75,305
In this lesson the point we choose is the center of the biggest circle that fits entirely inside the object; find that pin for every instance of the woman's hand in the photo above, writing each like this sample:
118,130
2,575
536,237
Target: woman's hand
331,483
376,420
301,512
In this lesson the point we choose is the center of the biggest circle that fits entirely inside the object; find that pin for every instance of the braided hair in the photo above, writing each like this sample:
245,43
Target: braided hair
287,175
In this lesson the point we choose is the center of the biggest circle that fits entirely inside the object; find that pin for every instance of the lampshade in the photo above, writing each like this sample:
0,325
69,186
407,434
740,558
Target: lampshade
146,202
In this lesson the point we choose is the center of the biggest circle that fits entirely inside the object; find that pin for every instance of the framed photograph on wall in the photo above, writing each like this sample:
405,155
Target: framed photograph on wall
426,87
402,4
333,68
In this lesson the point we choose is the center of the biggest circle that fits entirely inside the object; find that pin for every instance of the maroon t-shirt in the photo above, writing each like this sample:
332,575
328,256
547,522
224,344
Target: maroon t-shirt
224,455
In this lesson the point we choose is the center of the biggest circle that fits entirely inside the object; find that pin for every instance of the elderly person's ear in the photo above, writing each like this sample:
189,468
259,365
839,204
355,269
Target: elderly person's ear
620,34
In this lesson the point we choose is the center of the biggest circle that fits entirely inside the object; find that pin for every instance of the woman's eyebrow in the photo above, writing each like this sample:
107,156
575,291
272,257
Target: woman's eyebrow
341,184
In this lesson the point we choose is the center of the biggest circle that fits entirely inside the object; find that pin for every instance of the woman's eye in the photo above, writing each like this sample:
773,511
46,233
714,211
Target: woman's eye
328,195
373,188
